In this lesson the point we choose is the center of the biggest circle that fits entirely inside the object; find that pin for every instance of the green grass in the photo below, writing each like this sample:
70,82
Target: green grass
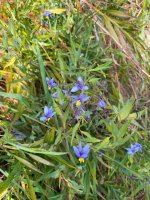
104,43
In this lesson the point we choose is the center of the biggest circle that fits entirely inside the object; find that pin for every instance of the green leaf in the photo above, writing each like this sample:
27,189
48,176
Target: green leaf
57,109
90,138
41,160
74,130
10,62
36,150
31,190
42,71
5,184
19,97
111,29
28,164
118,13
103,144
125,111
112,128
104,66
87,184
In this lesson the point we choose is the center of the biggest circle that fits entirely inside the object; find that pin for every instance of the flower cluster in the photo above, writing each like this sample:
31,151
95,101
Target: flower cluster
134,148
79,86
78,100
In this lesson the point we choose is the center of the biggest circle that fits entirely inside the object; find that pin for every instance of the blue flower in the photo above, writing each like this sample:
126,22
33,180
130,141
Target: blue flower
100,154
18,134
82,153
47,14
79,112
50,83
138,147
78,100
148,181
64,91
48,113
134,148
23,136
79,85
55,95
101,104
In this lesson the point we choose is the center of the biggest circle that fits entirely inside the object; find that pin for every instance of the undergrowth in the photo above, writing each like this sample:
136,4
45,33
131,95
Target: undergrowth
74,79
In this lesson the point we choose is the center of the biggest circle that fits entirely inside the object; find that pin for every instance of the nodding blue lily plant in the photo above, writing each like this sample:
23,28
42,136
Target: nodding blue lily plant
48,114
134,148
50,83
79,85
78,100
82,153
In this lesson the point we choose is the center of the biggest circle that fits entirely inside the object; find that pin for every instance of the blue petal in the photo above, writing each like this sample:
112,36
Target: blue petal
101,103
86,149
53,114
75,97
42,119
74,101
84,155
80,147
80,80
47,79
75,89
49,112
76,151
85,88
46,13
85,98
46,110
18,136
64,91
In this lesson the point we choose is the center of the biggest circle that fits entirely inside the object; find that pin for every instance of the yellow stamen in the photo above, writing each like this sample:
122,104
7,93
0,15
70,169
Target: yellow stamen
48,119
81,160
49,88
78,103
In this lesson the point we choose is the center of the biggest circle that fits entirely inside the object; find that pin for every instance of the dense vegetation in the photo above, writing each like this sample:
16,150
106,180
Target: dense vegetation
74,79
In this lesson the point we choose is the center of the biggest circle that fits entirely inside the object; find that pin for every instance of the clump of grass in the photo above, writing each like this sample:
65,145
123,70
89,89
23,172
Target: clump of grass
74,120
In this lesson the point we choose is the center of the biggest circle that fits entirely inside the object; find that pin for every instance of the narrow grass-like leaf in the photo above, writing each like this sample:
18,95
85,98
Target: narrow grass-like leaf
74,130
36,150
57,10
28,164
41,160
31,190
5,184
104,66
19,97
42,70
125,111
